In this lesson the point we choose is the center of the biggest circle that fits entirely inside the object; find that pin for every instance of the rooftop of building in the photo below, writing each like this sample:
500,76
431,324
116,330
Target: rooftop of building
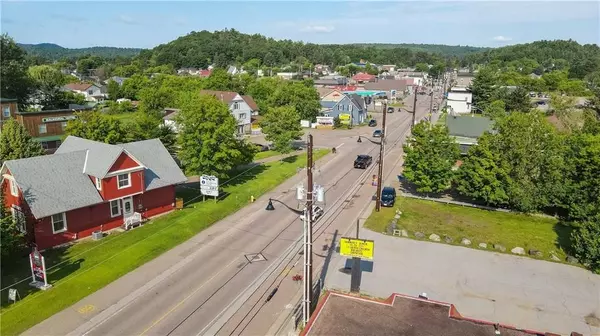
342,314
468,126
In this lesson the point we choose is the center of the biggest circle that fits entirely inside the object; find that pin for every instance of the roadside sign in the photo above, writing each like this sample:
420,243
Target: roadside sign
357,248
209,185
12,294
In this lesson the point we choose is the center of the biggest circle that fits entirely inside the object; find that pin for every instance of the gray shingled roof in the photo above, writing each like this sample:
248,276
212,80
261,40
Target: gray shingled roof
100,157
468,126
161,169
55,183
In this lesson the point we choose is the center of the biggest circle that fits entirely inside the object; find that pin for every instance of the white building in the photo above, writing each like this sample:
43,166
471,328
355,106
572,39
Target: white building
459,100
91,92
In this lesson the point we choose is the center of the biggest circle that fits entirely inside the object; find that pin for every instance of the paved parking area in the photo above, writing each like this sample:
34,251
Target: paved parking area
518,291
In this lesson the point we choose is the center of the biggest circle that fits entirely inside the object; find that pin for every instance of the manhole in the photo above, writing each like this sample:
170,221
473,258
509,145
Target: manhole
255,257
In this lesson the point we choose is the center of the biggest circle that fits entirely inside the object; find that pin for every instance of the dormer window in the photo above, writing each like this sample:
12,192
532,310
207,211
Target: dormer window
236,105
98,184
124,181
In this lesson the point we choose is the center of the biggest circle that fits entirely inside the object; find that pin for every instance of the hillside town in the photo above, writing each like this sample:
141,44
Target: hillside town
225,183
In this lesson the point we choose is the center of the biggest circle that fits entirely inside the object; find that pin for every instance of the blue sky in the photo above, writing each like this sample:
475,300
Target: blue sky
146,24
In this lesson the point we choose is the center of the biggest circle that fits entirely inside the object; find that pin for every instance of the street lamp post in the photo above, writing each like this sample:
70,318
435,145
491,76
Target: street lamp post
307,296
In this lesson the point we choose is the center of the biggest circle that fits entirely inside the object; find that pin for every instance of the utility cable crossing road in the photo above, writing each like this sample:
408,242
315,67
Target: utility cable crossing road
219,284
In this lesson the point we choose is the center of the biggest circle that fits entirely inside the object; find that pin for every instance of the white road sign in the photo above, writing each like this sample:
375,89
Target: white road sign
209,185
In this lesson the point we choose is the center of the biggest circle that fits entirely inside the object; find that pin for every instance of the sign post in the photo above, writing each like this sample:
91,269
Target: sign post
13,294
209,186
357,249
38,270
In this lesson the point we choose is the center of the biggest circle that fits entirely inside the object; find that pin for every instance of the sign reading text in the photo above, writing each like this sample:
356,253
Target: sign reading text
209,185
55,119
357,248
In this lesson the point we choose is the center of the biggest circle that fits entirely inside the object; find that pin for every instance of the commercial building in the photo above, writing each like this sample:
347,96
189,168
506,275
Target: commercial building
88,186
8,109
459,100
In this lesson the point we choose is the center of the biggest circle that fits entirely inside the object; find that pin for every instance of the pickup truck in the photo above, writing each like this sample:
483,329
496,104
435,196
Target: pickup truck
363,161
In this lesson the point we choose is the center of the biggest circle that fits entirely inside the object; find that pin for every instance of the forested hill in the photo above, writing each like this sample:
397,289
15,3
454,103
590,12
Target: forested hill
54,52
442,49
558,54
198,49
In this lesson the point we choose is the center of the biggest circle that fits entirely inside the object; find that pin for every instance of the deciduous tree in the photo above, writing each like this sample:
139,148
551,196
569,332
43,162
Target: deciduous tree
483,87
495,110
98,127
430,155
15,82
48,81
305,99
282,126
11,239
16,143
206,137
586,243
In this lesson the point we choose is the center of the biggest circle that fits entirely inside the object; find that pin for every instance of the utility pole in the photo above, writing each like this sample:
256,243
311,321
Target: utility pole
308,276
414,111
381,150
431,101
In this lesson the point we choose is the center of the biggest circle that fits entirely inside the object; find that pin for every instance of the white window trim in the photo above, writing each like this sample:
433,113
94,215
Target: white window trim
98,184
123,171
14,190
64,218
128,181
17,215
111,206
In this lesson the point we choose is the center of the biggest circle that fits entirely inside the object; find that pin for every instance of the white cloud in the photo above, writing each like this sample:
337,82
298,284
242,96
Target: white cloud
317,29
501,38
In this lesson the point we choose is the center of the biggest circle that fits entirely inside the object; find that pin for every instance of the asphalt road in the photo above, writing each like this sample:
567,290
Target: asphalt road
206,284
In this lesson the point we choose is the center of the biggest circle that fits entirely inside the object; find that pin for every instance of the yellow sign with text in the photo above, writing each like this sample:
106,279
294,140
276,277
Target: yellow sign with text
359,248
345,118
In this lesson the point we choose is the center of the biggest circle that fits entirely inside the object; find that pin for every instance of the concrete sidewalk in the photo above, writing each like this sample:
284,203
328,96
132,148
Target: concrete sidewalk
116,295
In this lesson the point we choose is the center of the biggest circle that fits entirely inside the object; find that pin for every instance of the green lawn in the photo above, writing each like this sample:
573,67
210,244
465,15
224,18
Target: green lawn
90,265
479,226
265,154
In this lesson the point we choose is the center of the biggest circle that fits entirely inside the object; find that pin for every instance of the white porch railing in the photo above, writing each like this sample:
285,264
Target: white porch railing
132,220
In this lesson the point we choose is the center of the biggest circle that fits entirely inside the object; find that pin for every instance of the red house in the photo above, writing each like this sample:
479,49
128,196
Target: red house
362,77
88,186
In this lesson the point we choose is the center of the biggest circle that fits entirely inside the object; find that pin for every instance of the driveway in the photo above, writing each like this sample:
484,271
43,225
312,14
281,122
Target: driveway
522,292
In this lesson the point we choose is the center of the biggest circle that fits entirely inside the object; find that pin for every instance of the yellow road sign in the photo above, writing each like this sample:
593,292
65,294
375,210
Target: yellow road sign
360,248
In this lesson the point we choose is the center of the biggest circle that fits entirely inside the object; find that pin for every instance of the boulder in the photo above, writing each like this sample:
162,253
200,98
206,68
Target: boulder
404,233
518,250
483,245
554,257
448,239
499,248
434,237
535,253
397,216
466,241
419,235
572,260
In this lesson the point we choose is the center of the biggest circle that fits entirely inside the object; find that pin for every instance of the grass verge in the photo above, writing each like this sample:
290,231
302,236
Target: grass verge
265,154
90,265
479,226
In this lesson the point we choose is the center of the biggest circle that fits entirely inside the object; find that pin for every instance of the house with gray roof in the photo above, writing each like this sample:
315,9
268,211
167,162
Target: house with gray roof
88,186
350,108
465,129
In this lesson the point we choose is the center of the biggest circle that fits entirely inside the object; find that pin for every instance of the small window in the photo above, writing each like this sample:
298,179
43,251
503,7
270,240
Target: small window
350,108
6,111
242,116
90,92
98,184
13,188
124,181
42,129
19,217
59,223
236,105
115,208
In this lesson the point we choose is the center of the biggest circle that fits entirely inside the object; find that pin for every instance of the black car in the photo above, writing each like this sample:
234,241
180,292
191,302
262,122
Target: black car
390,110
363,161
388,196
372,123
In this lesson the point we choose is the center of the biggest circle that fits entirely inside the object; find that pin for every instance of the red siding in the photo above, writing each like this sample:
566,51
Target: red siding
123,162
110,188
82,222
101,191
10,200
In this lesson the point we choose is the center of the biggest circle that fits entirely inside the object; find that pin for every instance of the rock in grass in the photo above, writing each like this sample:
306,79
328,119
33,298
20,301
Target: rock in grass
483,245
535,253
434,237
448,239
499,248
518,250
554,257
419,235
466,241
572,260
404,233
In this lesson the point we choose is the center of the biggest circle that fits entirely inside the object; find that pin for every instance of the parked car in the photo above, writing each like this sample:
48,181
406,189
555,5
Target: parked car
261,147
363,161
388,196
378,133
372,123
390,109
316,213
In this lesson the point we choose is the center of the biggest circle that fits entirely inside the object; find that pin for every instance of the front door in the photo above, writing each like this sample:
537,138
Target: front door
127,207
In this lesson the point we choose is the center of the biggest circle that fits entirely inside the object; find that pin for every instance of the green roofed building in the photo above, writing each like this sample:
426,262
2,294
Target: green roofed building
467,128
